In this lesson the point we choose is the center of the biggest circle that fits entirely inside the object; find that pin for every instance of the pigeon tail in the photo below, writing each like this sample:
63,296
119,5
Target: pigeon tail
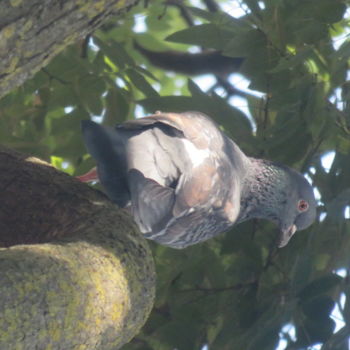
107,147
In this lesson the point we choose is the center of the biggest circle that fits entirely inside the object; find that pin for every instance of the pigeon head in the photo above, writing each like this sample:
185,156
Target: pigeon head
299,209
279,194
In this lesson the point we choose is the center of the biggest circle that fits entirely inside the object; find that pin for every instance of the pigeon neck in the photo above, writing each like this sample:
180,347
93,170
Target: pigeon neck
263,194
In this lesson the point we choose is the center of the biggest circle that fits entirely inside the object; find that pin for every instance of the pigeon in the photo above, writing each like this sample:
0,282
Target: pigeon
185,181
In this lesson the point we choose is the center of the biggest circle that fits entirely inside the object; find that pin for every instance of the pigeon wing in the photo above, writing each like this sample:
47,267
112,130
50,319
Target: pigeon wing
152,203
194,126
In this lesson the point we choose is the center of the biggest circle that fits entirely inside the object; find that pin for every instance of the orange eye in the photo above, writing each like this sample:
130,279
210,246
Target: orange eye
303,205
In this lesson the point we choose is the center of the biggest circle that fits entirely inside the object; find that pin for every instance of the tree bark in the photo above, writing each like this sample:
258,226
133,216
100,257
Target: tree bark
32,32
85,277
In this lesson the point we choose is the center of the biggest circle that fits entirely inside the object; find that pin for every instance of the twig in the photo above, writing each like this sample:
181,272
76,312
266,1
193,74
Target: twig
234,287
51,76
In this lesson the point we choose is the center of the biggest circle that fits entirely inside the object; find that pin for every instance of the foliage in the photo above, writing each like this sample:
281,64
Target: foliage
236,291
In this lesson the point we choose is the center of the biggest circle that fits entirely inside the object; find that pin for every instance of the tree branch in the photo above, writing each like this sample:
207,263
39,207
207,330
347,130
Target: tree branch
33,32
90,284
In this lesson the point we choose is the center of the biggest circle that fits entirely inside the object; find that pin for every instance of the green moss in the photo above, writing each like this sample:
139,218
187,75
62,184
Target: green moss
15,3
100,5
19,347
120,4
13,64
88,289
27,26
8,31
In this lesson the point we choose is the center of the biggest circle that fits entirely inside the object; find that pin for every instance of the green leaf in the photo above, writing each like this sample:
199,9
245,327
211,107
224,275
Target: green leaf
145,72
122,53
117,107
343,144
343,51
314,331
311,31
244,44
90,89
321,285
290,61
216,273
64,95
170,331
330,11
141,83
194,89
237,238
70,121
207,35
301,270
207,15
112,53
318,307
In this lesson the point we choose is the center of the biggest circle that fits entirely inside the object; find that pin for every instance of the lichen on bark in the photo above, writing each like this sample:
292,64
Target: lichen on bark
90,285
32,32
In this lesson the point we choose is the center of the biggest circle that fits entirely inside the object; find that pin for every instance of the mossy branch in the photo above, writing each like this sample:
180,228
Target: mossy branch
32,32
85,281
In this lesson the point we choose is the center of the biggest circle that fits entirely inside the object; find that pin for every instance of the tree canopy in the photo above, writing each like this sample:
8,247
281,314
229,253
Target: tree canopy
237,291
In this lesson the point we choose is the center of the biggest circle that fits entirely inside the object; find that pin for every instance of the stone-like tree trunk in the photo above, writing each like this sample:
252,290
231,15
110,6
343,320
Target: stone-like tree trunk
84,279
32,32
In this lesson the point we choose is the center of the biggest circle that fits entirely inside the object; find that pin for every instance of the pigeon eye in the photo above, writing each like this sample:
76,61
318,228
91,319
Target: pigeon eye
303,205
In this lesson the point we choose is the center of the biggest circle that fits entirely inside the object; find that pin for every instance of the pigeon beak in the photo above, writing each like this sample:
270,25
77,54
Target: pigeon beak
286,236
